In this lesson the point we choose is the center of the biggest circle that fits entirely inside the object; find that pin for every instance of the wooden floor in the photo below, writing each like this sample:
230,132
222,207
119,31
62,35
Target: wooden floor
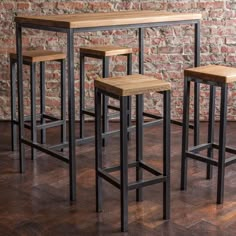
36,203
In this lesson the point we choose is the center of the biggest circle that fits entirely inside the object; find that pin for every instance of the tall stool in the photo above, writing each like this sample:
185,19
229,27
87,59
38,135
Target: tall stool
104,53
31,58
214,76
121,88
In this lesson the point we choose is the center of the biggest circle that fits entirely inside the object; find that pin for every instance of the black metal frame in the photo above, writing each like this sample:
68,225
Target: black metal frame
139,164
32,118
192,152
71,95
105,106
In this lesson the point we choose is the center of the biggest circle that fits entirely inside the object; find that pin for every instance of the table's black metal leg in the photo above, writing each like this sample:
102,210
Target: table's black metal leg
141,50
124,164
33,108
71,113
185,134
63,101
82,105
98,148
166,155
129,72
13,104
211,128
139,143
42,100
105,124
222,141
197,85
20,95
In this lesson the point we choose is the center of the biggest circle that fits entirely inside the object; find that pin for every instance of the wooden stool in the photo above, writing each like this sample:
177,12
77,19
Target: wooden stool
214,76
31,58
104,53
121,88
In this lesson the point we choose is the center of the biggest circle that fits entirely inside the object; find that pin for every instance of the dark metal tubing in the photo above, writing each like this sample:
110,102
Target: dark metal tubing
230,160
82,105
184,161
196,85
141,50
33,108
149,168
45,150
211,129
129,72
13,104
50,125
166,155
89,113
227,148
144,183
222,141
113,108
105,99
71,113
200,147
201,158
42,100
109,178
139,143
117,168
20,95
63,101
98,148
124,164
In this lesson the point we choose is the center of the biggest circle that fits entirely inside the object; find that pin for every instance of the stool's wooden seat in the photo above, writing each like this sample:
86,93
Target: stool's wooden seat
32,56
106,50
131,85
215,73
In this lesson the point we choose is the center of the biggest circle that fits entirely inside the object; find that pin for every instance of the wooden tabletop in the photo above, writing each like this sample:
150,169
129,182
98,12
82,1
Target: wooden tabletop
83,20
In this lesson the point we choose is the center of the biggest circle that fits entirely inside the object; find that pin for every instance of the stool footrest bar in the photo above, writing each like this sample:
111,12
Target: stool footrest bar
145,183
149,168
202,158
200,147
227,148
230,160
109,178
45,149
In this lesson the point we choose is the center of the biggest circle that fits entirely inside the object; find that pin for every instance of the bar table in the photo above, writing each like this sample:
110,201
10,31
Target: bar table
88,22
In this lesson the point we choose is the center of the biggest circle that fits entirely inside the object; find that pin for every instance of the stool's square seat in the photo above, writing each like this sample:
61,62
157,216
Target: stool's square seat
32,56
106,50
214,73
131,85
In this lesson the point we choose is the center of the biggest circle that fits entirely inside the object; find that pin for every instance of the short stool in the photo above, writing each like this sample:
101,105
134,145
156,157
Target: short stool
121,88
214,76
31,58
103,52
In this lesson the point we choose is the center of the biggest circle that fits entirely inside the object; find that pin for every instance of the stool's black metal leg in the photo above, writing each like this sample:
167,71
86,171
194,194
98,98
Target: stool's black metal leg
20,96
166,155
33,108
139,143
98,148
82,105
42,100
185,134
124,164
197,85
13,104
141,50
63,101
71,113
129,72
211,128
222,141
105,72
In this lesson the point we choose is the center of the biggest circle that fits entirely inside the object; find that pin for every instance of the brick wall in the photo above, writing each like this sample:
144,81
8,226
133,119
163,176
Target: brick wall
168,50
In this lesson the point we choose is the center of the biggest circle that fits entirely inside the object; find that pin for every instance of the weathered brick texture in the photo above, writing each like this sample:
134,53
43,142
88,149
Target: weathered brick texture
168,50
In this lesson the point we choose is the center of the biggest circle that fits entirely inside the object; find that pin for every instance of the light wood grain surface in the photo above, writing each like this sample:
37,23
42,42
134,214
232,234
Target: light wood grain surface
39,55
106,50
84,20
132,85
215,73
